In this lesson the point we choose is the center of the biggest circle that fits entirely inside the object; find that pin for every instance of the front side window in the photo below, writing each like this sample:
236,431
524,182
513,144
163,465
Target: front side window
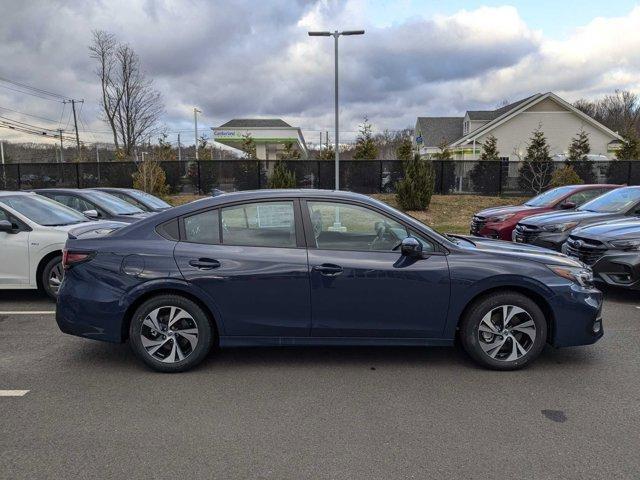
262,224
584,196
341,226
74,202
202,227
42,210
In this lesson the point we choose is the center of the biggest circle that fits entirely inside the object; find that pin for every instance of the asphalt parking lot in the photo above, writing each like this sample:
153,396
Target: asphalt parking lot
93,411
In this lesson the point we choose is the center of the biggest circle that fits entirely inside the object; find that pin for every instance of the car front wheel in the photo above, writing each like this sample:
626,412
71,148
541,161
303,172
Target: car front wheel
504,331
170,333
52,275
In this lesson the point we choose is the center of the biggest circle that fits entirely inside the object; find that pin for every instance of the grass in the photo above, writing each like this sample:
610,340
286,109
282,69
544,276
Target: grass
446,214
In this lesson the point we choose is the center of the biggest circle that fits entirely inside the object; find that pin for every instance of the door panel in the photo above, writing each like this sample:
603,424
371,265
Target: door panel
14,256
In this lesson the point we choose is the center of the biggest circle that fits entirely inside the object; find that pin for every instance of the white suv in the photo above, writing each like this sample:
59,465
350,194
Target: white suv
33,231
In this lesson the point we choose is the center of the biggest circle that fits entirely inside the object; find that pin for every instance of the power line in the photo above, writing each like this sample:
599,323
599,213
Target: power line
33,89
28,115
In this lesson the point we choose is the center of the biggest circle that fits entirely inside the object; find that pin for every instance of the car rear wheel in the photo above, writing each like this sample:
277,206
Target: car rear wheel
504,331
52,275
170,333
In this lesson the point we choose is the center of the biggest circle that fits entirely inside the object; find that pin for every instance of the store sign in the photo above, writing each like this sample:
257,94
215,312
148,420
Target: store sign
224,133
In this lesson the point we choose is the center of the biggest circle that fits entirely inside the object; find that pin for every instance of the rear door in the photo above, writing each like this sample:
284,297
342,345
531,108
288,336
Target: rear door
361,286
14,252
250,258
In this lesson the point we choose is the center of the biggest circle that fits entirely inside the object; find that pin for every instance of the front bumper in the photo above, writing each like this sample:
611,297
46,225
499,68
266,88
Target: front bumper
614,267
578,317
552,241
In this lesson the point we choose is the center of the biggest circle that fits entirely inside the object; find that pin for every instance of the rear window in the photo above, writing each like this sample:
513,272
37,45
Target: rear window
263,224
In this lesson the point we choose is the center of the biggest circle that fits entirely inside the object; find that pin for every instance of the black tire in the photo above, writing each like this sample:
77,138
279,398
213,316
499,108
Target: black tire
52,268
473,340
164,302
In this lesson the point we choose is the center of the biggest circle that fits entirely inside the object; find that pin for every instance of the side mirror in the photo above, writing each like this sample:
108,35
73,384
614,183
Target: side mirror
411,247
568,205
91,214
6,226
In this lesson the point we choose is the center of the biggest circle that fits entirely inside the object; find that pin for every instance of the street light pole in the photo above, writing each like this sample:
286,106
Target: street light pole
195,124
336,34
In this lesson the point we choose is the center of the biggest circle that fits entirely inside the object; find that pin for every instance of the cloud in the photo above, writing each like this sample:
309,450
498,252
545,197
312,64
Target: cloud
248,58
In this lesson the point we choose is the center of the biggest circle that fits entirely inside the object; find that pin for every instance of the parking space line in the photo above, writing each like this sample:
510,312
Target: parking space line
24,312
13,393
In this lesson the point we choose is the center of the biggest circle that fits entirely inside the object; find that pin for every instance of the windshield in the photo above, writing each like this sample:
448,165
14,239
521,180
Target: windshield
548,198
619,200
148,199
43,210
111,203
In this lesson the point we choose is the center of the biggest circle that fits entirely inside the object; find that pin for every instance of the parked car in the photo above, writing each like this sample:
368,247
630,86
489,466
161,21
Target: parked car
95,204
551,230
143,200
611,248
499,222
313,267
33,230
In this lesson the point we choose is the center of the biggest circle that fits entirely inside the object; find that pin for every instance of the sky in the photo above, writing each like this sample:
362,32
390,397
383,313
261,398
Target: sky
251,58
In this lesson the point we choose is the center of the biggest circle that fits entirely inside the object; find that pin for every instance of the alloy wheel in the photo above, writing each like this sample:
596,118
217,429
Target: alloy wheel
507,333
169,334
55,278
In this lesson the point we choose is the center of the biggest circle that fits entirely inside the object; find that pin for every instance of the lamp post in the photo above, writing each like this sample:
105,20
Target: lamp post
336,34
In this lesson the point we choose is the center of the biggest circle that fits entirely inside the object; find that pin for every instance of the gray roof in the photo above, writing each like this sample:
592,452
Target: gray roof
255,123
435,130
493,114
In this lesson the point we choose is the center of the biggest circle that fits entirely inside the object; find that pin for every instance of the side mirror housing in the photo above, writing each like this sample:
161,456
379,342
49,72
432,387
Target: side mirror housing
6,226
93,214
568,206
411,248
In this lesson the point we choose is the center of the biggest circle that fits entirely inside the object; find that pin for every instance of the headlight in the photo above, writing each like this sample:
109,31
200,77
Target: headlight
559,227
581,276
628,244
501,218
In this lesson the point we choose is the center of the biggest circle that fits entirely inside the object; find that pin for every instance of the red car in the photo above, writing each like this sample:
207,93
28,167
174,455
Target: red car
499,222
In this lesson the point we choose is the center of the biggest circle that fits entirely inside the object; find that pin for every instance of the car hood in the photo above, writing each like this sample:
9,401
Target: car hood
611,230
563,217
496,211
521,251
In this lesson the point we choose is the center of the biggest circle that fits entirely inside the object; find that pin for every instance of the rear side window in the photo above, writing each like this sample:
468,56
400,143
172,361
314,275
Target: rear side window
262,224
202,227
169,230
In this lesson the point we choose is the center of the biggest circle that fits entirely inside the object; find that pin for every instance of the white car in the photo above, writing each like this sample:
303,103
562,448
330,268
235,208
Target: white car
33,231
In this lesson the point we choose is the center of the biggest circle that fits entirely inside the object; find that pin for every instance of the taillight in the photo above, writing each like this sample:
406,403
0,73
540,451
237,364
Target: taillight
71,258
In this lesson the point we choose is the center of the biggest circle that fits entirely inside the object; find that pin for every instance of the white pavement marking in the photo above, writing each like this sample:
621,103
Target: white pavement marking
13,393
22,312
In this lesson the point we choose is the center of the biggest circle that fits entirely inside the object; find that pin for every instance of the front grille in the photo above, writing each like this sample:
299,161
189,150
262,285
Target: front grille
477,224
585,250
526,233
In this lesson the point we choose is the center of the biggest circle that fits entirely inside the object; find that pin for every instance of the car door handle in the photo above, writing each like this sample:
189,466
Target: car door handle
204,263
328,269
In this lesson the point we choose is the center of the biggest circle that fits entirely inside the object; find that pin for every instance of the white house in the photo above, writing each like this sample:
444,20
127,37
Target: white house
513,125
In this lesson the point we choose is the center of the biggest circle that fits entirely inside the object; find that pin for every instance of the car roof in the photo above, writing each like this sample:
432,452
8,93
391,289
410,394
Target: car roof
6,193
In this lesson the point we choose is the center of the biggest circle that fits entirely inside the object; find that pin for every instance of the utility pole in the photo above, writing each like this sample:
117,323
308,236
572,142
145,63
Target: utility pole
2,152
75,122
195,124
179,149
4,173
61,147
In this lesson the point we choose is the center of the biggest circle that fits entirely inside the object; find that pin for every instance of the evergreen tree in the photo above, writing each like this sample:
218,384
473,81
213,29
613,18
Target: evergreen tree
366,148
414,191
282,177
536,170
290,153
249,147
404,151
578,160
485,175
630,147
446,165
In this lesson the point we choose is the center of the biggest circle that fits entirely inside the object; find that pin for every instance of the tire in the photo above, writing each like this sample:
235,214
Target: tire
170,333
51,276
484,337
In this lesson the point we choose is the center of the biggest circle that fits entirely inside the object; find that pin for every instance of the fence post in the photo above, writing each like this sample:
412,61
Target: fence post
259,173
629,172
77,175
199,179
500,177
380,182
19,178
318,184
441,177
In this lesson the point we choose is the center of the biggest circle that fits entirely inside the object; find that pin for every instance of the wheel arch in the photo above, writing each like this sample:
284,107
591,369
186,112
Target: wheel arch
128,316
531,293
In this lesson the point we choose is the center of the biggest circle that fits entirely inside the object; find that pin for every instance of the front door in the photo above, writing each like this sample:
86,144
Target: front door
251,260
14,256
360,284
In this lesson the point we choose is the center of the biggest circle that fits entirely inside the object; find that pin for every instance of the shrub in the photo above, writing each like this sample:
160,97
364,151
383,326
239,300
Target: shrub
414,191
150,178
281,177
565,176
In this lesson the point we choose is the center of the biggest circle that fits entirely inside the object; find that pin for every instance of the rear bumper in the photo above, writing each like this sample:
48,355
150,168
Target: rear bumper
578,317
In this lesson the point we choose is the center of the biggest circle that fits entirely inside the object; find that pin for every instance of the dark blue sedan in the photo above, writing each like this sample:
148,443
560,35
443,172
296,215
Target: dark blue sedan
308,267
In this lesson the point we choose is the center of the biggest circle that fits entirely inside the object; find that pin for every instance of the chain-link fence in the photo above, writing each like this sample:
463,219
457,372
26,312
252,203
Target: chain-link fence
363,176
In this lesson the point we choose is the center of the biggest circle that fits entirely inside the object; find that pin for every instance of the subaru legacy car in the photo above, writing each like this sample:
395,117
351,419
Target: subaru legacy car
95,204
612,249
499,222
143,200
313,267
551,230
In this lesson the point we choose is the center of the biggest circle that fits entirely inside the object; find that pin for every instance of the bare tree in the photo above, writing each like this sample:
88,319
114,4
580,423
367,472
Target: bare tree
131,105
619,111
